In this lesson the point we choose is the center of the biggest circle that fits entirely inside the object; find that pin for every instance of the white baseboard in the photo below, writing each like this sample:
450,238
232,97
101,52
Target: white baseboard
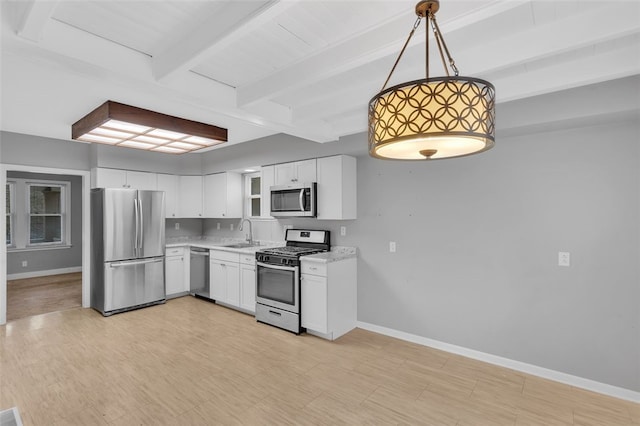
35,274
534,370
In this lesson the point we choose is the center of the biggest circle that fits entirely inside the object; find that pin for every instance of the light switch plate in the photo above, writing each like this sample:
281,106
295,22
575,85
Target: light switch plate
392,246
564,258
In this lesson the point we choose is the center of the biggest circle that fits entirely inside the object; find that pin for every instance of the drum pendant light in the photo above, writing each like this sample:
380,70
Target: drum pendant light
432,118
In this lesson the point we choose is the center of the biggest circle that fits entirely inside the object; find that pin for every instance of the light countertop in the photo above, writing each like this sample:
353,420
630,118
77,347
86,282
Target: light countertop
336,254
219,244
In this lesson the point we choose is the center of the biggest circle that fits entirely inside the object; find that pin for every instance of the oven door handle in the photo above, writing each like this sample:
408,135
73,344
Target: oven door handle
281,268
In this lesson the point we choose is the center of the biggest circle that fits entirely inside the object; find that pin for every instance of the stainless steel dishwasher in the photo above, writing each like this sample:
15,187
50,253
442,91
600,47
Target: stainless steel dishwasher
199,270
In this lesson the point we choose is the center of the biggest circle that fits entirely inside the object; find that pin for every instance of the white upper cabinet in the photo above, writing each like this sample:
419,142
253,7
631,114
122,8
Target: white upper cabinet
190,196
116,178
337,188
296,172
142,180
223,195
267,180
169,184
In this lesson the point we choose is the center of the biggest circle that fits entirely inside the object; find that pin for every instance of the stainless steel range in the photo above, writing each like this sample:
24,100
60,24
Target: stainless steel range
278,277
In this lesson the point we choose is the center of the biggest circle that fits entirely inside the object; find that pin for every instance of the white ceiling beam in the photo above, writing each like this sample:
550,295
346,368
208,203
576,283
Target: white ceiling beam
562,76
235,20
354,52
508,57
36,16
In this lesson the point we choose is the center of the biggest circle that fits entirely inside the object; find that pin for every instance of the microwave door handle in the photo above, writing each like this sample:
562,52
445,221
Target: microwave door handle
301,199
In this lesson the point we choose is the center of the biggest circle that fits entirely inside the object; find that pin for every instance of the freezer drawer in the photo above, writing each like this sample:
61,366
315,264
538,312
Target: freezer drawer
129,284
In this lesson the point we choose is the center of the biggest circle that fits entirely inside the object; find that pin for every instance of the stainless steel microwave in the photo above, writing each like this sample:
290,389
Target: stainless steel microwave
297,200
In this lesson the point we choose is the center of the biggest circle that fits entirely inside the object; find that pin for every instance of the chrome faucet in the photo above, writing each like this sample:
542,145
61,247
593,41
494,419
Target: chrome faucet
250,237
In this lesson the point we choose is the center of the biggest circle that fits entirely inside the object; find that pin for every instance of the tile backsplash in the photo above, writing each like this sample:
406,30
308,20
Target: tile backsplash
263,229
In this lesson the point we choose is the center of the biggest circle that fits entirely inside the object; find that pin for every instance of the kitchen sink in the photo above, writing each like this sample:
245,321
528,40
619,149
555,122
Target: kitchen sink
242,245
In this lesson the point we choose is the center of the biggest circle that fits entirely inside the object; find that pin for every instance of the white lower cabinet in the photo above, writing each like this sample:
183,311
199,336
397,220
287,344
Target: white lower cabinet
175,280
224,279
314,303
248,282
329,297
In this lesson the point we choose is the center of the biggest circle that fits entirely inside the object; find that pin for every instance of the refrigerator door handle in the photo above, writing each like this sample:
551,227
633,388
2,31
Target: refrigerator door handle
141,226
137,213
136,262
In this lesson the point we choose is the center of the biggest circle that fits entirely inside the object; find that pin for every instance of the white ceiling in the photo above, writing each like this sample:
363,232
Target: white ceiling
306,68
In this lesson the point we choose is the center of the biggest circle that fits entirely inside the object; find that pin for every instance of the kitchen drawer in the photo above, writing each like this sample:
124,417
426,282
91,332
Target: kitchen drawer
174,251
248,259
225,256
313,268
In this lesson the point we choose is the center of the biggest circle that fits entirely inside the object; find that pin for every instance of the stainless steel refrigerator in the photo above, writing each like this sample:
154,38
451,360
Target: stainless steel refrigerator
127,249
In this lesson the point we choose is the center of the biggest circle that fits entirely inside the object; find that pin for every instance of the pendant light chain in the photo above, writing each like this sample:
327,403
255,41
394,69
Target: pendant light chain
413,30
426,38
441,44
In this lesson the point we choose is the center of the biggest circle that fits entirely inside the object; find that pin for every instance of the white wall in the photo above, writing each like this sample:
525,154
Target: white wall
478,241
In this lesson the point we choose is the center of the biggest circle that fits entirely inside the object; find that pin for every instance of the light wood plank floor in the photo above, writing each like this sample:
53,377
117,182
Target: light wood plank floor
33,296
190,362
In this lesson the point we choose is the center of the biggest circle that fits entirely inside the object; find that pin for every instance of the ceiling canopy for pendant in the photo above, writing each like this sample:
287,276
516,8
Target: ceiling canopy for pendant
117,124
432,118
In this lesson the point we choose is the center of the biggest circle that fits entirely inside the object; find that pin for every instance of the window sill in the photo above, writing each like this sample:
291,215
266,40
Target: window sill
52,247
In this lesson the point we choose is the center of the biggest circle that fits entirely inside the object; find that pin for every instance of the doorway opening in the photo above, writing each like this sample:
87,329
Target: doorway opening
44,265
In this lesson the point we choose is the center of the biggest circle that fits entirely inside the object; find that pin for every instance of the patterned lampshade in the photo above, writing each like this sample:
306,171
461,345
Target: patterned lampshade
440,117
432,118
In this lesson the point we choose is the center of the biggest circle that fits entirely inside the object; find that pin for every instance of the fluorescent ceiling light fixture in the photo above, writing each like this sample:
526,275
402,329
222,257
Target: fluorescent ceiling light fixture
113,123
432,118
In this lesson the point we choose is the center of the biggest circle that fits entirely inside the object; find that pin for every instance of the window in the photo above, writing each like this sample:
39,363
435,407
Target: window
252,194
45,214
9,211
38,214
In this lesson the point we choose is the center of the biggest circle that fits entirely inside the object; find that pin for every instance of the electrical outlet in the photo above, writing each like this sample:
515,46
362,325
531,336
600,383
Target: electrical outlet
392,246
231,226
564,258
343,230
218,226
177,225
24,263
